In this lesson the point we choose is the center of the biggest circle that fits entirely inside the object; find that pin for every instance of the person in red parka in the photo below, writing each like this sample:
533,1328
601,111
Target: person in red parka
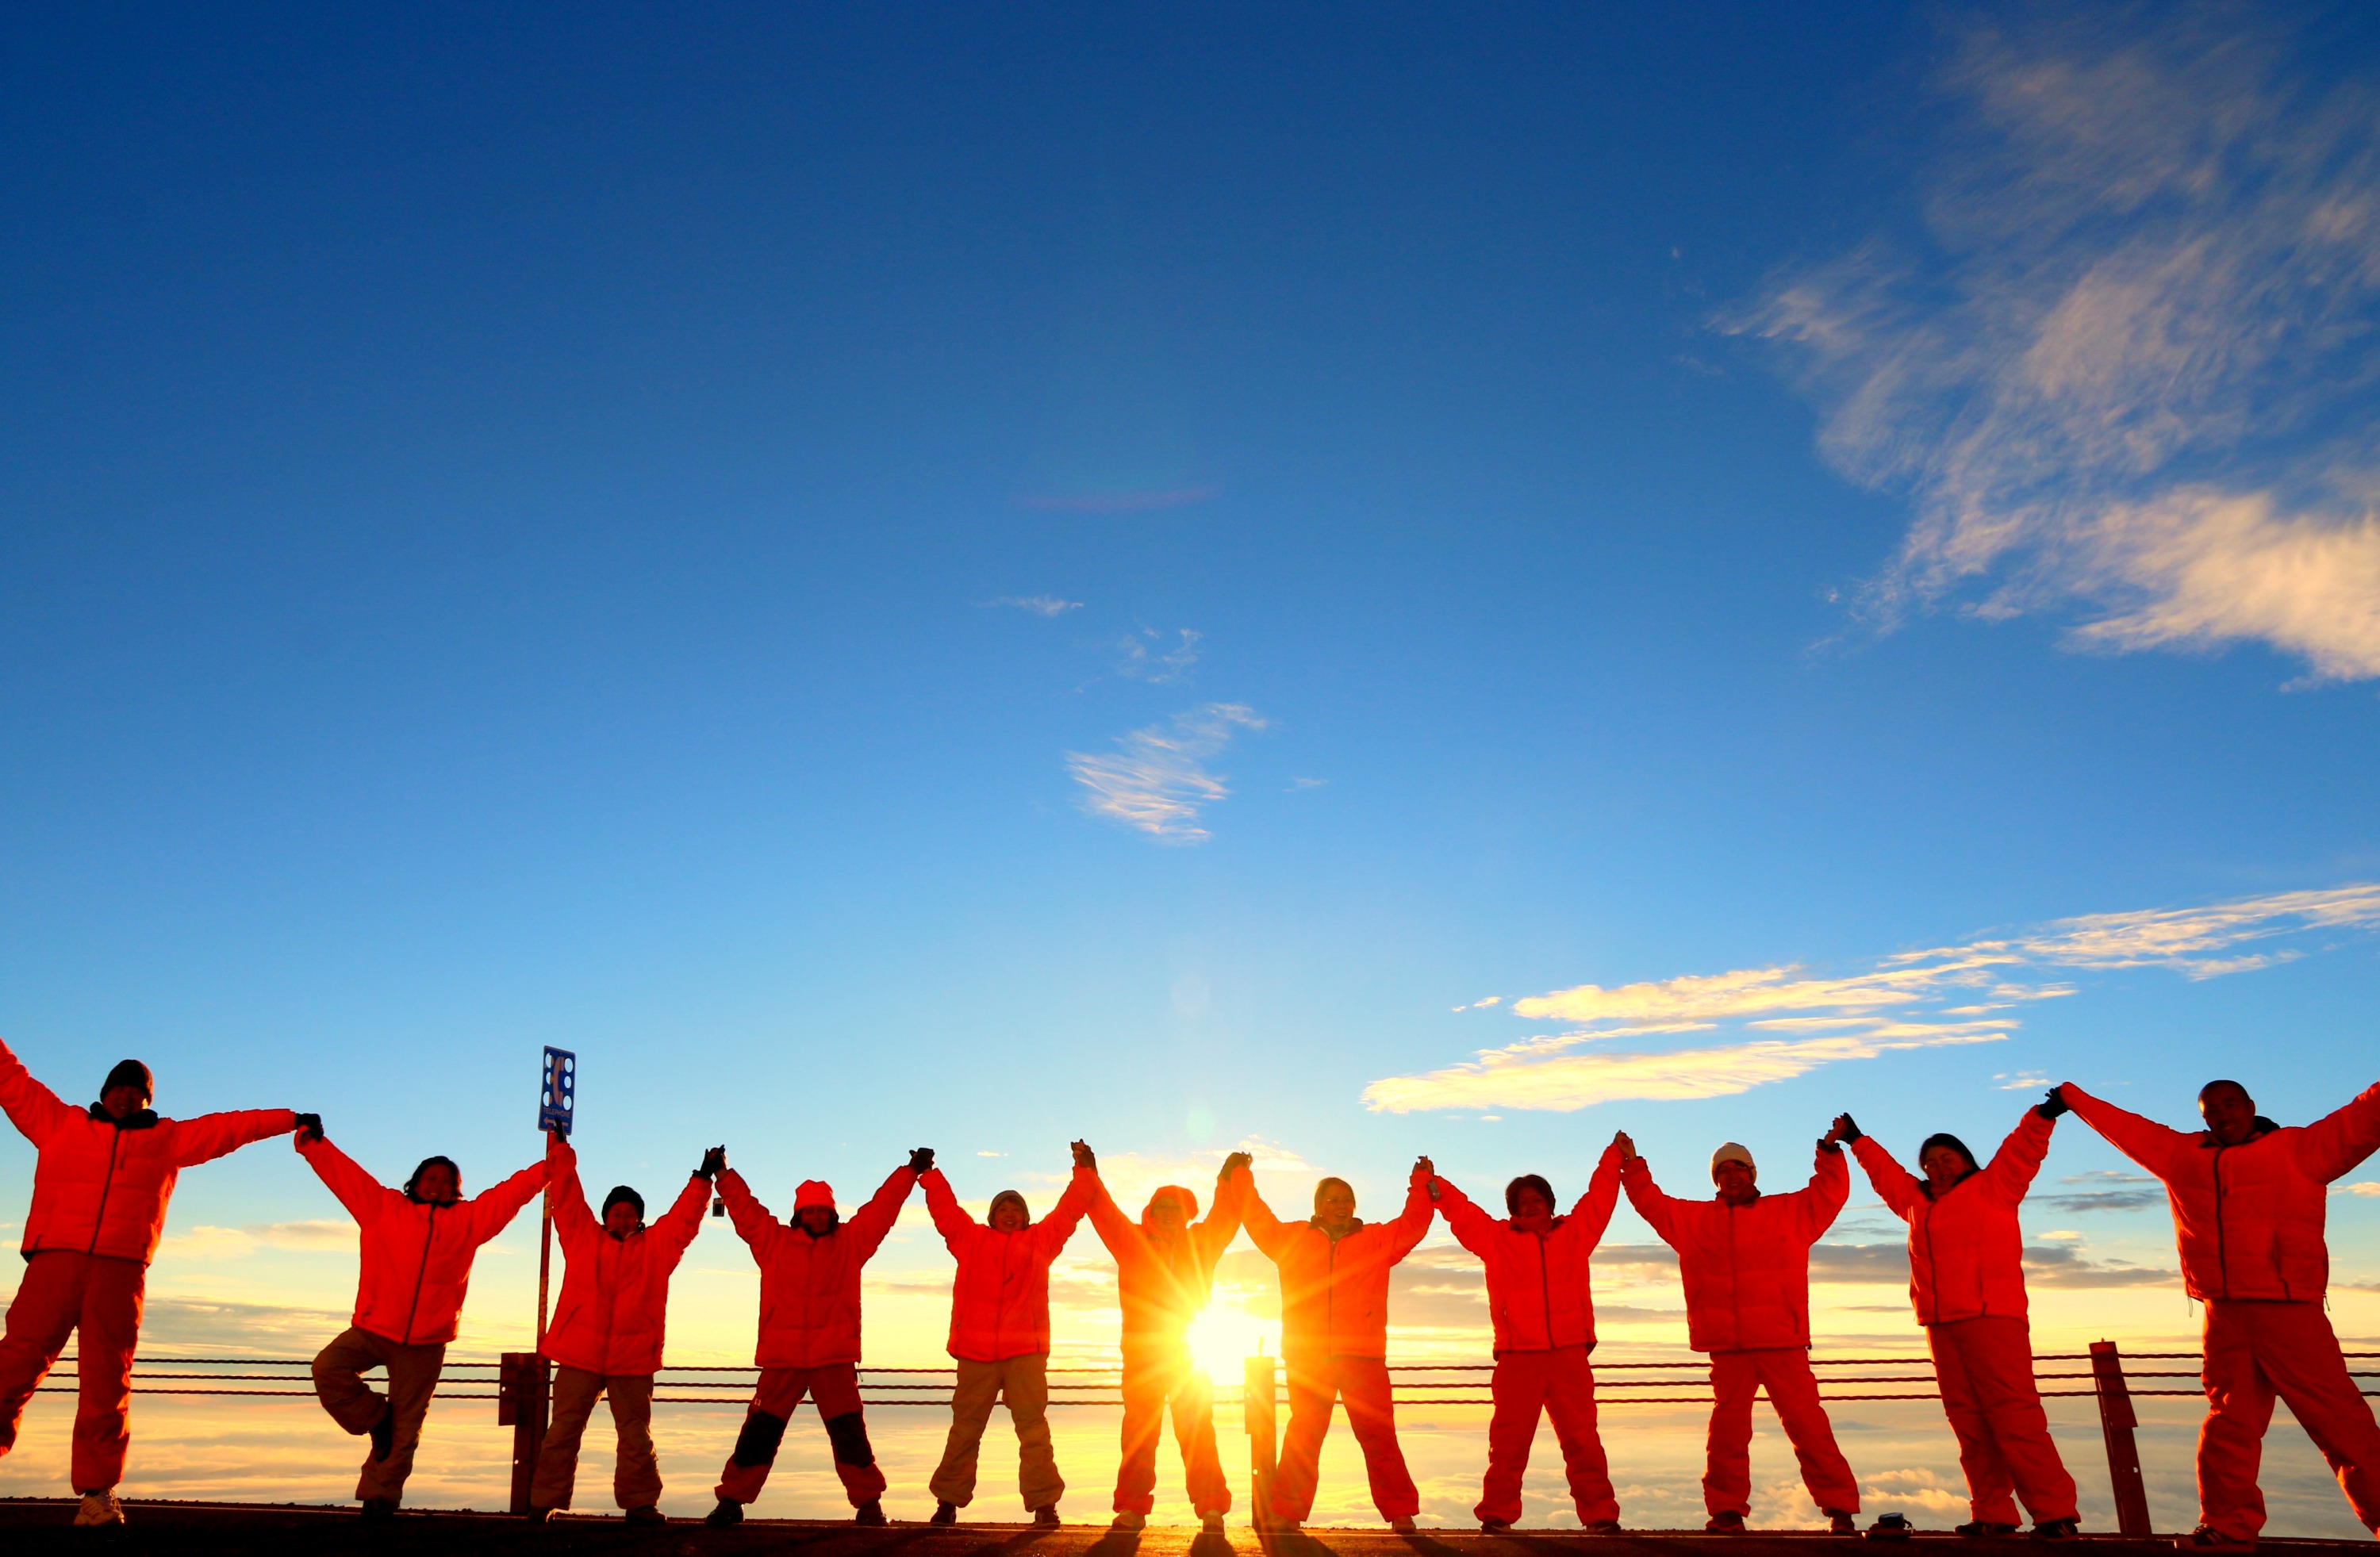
1165,1273
1000,1335
1543,1307
2249,1203
605,1339
1744,1260
1334,1337
809,1344
101,1183
1966,1281
416,1246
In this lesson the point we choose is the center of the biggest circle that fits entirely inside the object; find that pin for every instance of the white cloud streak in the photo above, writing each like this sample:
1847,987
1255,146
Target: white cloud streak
2124,369
1790,1022
1148,656
1156,782
1036,605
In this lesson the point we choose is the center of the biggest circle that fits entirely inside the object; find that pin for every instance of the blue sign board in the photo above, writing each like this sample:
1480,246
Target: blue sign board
557,1091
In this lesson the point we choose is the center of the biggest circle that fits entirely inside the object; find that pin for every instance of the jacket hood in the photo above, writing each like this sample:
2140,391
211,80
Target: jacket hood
140,1119
1183,1198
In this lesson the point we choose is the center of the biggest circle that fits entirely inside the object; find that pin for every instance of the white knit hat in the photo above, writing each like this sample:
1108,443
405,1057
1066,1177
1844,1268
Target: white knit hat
1730,1151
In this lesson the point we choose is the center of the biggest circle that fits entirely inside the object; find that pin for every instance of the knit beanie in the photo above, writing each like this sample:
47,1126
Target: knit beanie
131,1073
1730,1151
622,1192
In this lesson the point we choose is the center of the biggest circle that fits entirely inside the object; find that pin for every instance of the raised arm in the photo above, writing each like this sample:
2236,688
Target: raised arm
1658,1210
32,1107
1472,1227
1831,1185
950,1221
1215,1234
1412,1224
1895,1185
1592,1214
210,1135
682,1223
2012,1170
2335,1144
1267,1231
572,1220
364,1196
871,1222
494,1208
2144,1141
752,1221
1108,1220
1050,1234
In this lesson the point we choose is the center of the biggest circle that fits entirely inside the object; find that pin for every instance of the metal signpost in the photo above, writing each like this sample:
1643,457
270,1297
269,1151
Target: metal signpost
524,1387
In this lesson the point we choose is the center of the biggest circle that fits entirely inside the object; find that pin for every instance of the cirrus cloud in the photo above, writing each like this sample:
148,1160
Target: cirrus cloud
1156,780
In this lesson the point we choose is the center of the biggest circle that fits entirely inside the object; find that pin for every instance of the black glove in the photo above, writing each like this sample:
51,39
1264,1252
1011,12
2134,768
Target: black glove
310,1127
2053,1105
1235,1161
1084,1157
714,1162
1850,1130
922,1160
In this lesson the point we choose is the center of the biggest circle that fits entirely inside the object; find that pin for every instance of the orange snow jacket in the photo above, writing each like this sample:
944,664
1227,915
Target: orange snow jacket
810,1286
1334,1294
417,1256
100,1186
1745,1267
1164,1282
1538,1285
1966,1247
613,1312
2247,1218
1000,1299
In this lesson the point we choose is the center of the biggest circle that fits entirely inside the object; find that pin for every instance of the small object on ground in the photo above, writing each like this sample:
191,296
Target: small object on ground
1842,1524
729,1511
100,1508
1046,1518
645,1513
1494,1526
1401,1527
1727,1524
1892,1527
539,1515
1212,1524
944,1513
1128,1521
2207,1538
2057,1529
377,1509
1602,1527
870,1513
1983,1529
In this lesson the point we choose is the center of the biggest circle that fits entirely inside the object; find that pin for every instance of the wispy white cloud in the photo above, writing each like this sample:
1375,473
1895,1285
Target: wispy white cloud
203,1242
1149,656
1156,780
1036,605
1790,1022
2126,366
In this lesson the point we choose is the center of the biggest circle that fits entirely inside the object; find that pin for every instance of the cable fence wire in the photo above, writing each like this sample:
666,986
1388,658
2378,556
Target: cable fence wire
1683,1382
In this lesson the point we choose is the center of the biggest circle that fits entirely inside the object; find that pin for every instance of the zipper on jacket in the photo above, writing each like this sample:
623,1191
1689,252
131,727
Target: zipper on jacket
2222,1240
1734,1277
1545,1290
99,1218
422,1274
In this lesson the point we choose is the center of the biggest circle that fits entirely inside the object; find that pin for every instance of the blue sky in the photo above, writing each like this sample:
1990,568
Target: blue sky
899,577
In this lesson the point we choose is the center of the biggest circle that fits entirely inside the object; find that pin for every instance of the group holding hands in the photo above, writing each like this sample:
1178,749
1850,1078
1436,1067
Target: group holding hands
2248,1199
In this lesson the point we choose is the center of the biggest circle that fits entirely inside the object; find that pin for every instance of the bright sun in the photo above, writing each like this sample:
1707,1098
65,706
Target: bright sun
1222,1340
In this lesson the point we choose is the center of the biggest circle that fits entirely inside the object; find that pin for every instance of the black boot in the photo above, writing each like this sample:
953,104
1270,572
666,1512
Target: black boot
729,1511
870,1513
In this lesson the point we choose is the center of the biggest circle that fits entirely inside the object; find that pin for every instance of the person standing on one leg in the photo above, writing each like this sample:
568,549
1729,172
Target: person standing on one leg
608,1330
809,1328
101,1180
1165,1273
2249,1203
1334,1337
416,1245
1966,1280
1543,1307
1744,1260
1000,1335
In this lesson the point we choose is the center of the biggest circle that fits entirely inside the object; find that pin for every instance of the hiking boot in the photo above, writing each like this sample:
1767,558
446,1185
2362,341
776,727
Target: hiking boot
946,1513
2207,1538
1211,1523
539,1515
1046,1518
1601,1527
1128,1522
1842,1524
870,1513
100,1508
1985,1529
645,1513
1727,1524
377,1510
728,1513
2057,1529
1494,1526
1401,1527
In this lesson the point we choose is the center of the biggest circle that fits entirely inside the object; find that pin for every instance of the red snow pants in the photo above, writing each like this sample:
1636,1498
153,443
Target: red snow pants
1784,1373
63,1293
1986,1369
1152,1377
835,1387
2256,1350
1561,1384
1316,1384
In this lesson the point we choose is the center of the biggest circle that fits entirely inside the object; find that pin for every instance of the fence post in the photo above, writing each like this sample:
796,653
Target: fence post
1259,1383
521,1400
2116,1425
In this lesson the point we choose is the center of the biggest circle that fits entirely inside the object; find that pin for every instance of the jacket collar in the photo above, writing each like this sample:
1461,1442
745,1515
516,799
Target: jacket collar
2206,1142
145,1119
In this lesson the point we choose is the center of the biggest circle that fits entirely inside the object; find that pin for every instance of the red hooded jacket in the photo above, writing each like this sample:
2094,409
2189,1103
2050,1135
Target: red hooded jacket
100,1187
2247,1218
1966,1248
417,1256
1747,1268
1538,1285
613,1311
810,1286
1163,1283
1000,1299
1334,1296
